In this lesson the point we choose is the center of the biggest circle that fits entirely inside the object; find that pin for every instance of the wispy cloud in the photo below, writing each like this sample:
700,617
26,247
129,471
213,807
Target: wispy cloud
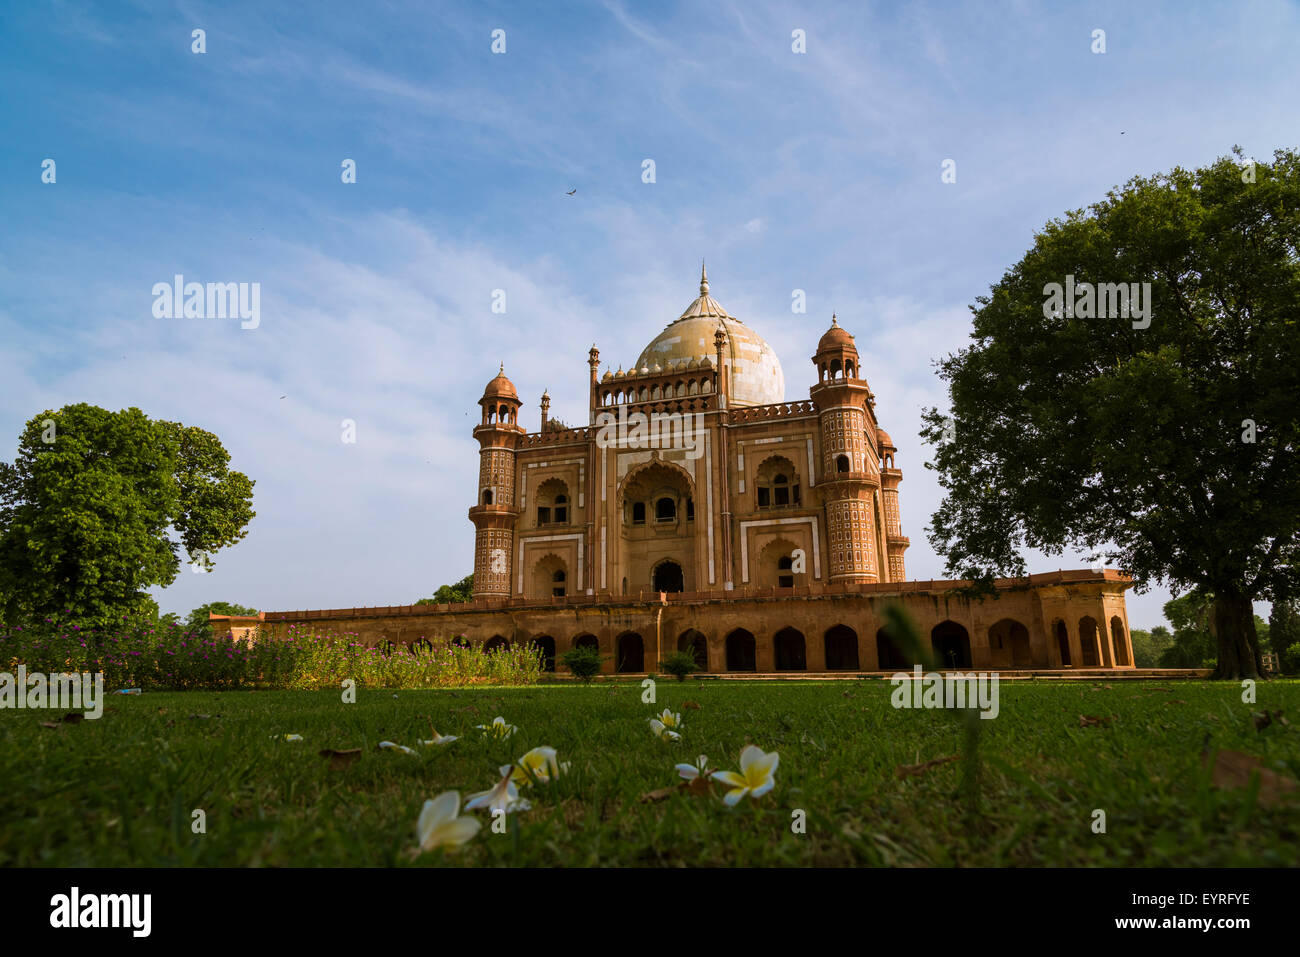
817,171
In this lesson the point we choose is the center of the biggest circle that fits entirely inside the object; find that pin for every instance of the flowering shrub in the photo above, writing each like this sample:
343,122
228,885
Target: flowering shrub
169,656
324,661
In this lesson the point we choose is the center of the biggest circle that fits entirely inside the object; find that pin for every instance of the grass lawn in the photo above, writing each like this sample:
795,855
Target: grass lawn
120,791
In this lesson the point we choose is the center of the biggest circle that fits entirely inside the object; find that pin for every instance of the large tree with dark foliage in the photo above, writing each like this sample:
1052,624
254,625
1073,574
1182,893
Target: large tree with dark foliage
1167,444
99,506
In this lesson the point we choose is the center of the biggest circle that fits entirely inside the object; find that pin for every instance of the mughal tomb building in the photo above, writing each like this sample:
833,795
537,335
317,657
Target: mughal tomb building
699,510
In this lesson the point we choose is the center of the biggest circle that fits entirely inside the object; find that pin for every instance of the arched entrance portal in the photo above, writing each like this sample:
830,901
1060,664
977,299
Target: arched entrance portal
697,645
1009,644
545,645
1062,643
841,649
889,654
951,644
668,577
791,650
741,654
1088,641
629,654
1119,647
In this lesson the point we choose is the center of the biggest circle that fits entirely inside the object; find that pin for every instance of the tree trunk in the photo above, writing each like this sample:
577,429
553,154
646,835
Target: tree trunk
1232,621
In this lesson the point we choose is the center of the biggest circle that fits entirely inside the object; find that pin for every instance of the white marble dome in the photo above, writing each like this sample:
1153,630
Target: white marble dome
756,376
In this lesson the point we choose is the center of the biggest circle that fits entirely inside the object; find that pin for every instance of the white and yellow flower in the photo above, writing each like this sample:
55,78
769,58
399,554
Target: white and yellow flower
669,720
389,745
661,731
440,823
439,739
293,737
698,770
503,797
540,765
757,775
497,729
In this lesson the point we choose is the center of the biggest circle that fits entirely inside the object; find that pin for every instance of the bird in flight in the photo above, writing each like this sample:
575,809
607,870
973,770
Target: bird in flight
572,191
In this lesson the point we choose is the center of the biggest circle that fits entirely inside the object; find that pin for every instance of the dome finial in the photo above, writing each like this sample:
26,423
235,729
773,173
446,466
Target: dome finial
502,370
704,280
834,322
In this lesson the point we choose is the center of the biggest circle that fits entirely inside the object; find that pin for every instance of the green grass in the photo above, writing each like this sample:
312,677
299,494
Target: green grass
119,791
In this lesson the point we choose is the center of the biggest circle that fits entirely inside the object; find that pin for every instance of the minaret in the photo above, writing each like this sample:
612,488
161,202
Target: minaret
593,362
848,476
495,513
890,476
546,407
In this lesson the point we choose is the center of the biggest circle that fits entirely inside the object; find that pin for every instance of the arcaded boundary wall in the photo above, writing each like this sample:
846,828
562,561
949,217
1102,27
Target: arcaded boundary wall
1059,619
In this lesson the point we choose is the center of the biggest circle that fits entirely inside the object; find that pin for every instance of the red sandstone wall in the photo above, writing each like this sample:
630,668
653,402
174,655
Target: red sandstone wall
1035,603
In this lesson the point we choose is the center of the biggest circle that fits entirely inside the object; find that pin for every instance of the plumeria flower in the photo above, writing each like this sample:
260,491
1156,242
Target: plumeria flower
290,737
503,797
661,729
757,775
498,728
398,747
698,770
670,720
539,765
441,824
439,739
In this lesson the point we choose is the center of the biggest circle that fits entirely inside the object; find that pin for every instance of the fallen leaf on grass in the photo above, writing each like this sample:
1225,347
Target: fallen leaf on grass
201,717
1264,718
72,717
1233,769
1090,721
659,794
699,786
341,759
690,706
910,770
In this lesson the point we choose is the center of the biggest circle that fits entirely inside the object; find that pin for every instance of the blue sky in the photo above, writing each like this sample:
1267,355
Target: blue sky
817,171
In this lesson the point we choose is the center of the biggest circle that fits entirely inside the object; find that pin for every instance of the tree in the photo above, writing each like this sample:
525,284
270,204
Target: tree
1164,441
90,505
1191,616
1148,646
198,619
1284,630
461,591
